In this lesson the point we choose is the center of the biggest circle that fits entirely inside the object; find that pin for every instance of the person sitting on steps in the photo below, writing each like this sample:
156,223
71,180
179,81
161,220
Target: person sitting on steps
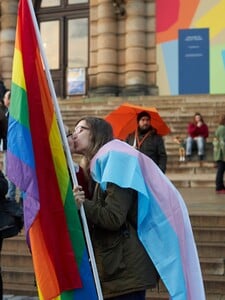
197,135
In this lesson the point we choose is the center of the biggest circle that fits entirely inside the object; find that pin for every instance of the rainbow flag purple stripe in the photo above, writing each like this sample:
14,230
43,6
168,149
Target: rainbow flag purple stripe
164,227
36,163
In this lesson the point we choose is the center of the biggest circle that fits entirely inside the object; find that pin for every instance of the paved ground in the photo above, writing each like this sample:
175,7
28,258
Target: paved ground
204,201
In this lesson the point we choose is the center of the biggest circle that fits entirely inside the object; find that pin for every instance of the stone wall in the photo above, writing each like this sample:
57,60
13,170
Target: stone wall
8,11
122,55
122,48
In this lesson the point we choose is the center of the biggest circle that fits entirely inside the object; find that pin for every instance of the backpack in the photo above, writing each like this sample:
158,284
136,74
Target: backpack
11,218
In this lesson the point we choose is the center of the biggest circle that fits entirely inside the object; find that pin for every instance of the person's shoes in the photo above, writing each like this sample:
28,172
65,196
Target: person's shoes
221,192
201,157
188,157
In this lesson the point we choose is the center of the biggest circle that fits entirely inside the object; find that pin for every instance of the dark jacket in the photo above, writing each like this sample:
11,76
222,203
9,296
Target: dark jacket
3,126
3,186
153,146
122,262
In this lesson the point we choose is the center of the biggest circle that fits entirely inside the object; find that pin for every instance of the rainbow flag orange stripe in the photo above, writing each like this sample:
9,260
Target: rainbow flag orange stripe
36,164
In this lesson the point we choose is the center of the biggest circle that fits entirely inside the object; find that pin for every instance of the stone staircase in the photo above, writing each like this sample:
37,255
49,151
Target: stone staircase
17,268
209,229
177,112
209,235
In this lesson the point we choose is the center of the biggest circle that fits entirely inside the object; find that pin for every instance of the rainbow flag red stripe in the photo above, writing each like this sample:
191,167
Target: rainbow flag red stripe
36,164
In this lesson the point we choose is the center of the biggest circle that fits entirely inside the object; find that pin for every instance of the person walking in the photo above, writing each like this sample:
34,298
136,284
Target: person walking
197,135
219,154
146,140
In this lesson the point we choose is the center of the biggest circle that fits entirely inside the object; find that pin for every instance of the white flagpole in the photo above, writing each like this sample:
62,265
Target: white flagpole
67,150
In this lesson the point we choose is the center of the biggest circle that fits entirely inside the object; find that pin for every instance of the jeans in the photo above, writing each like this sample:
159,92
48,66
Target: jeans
198,142
1,284
11,190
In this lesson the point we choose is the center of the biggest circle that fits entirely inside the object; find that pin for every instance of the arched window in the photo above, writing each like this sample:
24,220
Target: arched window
64,30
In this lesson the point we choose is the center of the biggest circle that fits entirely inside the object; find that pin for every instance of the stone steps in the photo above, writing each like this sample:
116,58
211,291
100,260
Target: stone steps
18,270
192,180
213,234
18,281
212,266
177,112
214,283
193,177
214,220
175,166
211,249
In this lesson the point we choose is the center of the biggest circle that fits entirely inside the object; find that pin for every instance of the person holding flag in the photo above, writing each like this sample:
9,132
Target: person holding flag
123,264
138,220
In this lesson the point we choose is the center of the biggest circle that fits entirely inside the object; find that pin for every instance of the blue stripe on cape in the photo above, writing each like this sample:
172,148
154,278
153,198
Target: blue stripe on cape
164,226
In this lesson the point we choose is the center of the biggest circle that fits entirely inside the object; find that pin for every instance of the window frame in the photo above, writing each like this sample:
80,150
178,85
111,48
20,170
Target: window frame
63,13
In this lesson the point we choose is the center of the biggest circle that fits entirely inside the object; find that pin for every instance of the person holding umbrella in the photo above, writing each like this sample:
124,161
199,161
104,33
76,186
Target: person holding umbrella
146,140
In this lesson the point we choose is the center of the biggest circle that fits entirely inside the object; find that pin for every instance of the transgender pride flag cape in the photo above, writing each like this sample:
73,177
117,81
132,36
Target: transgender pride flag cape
163,222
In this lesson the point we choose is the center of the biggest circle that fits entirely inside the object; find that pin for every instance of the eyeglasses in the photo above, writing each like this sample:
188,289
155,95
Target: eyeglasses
69,134
80,128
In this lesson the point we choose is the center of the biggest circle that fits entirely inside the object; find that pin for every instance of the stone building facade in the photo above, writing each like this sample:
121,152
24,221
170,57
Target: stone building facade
122,48
8,18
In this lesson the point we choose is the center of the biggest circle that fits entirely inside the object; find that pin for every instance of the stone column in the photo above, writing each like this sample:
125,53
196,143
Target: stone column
122,48
7,38
103,49
135,53
151,66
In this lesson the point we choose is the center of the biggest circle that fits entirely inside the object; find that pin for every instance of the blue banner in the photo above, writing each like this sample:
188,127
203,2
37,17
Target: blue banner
194,61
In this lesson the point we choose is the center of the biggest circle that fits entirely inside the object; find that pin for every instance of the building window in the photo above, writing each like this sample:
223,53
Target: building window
77,1
64,30
50,38
78,43
50,3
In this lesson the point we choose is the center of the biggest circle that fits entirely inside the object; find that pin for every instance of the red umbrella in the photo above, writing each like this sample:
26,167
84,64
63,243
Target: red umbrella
124,120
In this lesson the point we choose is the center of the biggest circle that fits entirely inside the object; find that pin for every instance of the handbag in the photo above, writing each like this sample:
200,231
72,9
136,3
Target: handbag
11,218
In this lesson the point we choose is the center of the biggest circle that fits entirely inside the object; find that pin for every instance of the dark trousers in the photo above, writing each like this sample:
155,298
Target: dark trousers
219,175
1,285
131,296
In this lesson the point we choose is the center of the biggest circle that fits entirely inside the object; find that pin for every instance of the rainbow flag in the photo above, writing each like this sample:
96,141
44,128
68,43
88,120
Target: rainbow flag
163,222
36,164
